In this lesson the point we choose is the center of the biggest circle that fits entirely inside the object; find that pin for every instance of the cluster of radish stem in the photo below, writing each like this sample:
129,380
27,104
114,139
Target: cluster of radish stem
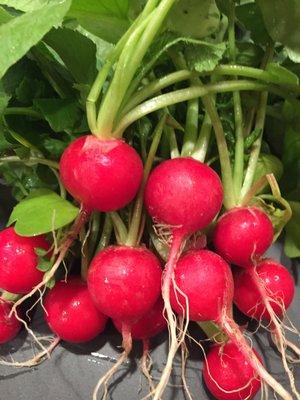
122,105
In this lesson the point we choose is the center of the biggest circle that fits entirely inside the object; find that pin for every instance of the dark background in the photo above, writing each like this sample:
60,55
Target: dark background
73,370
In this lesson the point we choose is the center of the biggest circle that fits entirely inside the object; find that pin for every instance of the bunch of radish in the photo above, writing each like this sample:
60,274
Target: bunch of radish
146,275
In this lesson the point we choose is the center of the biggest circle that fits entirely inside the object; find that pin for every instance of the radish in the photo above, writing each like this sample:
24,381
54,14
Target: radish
125,284
267,279
228,375
19,261
264,292
103,175
71,313
242,235
182,195
9,325
150,325
204,292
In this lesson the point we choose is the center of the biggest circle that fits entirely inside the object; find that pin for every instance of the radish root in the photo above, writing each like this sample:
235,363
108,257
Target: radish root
174,341
232,330
277,328
37,359
146,364
103,381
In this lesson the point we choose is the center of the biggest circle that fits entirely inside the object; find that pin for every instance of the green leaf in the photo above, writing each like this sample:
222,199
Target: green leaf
188,18
106,19
4,98
40,251
282,20
51,283
44,265
292,232
251,17
4,16
61,114
21,33
268,164
204,56
41,212
26,5
291,160
77,52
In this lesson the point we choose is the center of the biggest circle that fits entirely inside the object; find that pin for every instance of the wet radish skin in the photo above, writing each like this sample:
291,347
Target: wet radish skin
278,282
103,175
18,261
71,313
150,325
227,366
205,278
125,282
183,193
9,326
242,235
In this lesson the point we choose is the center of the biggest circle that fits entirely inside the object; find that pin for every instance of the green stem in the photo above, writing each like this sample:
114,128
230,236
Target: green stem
130,60
182,95
11,297
174,151
203,140
106,233
119,227
260,121
229,197
213,332
30,161
155,86
30,112
94,232
103,73
117,88
63,193
238,169
255,73
191,127
84,254
134,229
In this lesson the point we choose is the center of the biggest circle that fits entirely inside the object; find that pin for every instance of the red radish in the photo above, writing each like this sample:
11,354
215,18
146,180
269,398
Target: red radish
124,282
71,313
103,175
151,324
264,291
242,235
18,261
204,285
182,195
228,375
277,282
9,325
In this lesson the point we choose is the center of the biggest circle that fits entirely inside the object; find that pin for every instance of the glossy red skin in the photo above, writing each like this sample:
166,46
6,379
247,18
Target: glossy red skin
125,282
242,235
206,279
183,192
18,261
151,324
278,282
229,368
71,313
9,326
103,175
